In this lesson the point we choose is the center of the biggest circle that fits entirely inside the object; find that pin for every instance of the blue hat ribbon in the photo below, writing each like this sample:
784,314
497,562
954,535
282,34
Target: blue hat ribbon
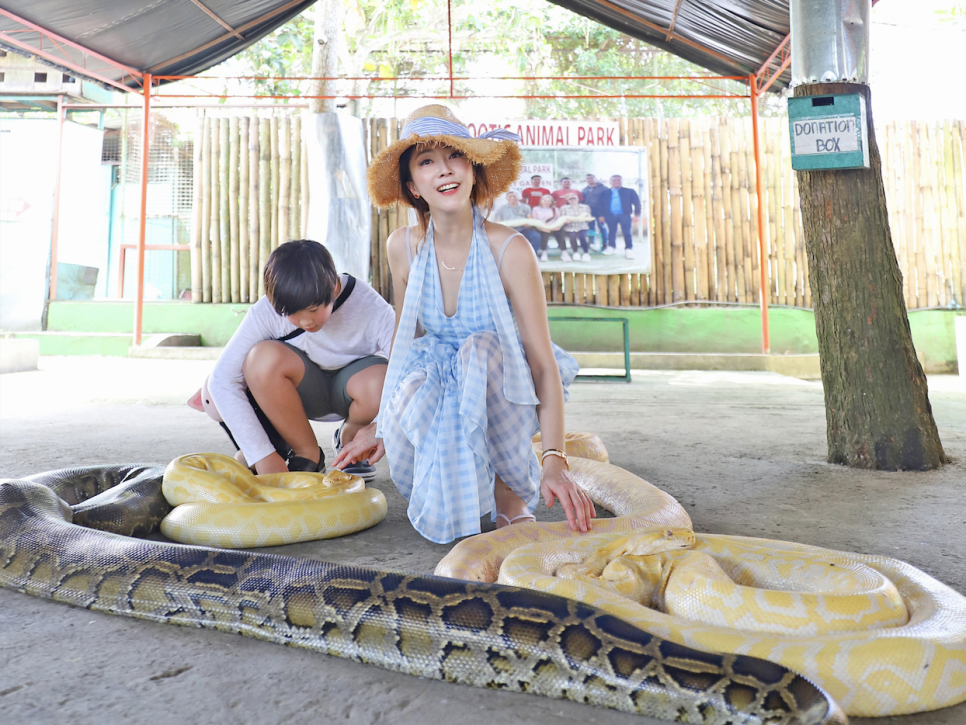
433,126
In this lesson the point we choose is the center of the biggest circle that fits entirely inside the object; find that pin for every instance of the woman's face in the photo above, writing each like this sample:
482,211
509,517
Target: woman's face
546,200
441,175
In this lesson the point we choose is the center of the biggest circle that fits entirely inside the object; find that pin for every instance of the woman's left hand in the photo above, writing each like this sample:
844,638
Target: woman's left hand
557,483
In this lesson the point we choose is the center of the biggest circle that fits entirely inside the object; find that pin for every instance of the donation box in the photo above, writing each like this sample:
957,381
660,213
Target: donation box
828,132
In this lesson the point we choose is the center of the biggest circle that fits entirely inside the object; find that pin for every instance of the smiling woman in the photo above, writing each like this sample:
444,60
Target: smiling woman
461,402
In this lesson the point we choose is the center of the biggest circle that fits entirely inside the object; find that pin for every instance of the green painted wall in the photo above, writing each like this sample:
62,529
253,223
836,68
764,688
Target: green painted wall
686,329
674,329
215,323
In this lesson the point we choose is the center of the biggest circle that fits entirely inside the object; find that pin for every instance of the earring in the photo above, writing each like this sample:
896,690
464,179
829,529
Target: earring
415,195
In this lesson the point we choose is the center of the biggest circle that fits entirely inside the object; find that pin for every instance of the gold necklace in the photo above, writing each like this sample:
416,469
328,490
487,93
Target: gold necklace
446,266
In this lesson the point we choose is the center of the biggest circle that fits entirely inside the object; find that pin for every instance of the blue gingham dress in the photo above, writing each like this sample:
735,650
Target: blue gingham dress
458,404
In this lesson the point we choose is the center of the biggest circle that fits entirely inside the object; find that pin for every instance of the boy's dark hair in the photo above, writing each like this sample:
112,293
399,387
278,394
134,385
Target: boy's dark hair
299,275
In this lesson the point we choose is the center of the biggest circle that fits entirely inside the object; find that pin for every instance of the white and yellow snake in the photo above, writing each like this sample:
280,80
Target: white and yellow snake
878,634
220,502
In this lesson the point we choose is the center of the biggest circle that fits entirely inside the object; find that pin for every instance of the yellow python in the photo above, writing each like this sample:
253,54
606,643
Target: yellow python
220,502
879,635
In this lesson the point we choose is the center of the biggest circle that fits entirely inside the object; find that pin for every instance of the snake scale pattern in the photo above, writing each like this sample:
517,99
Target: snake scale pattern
486,635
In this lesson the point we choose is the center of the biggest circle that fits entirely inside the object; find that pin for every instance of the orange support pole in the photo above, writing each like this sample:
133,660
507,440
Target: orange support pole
763,258
142,223
55,217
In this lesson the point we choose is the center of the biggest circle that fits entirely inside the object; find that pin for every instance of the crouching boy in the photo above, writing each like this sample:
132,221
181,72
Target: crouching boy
314,347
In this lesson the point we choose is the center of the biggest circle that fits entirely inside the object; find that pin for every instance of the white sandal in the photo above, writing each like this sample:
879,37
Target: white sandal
527,518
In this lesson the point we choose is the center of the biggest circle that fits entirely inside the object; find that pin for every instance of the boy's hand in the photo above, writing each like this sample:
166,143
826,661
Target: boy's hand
364,446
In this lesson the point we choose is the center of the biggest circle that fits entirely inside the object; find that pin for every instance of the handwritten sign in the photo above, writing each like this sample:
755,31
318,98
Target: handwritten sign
828,135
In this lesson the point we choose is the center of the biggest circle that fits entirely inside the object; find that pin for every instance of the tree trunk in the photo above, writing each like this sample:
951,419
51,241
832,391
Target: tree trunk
876,404
325,55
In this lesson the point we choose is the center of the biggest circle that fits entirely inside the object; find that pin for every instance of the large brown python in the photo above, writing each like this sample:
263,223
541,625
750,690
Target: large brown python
487,635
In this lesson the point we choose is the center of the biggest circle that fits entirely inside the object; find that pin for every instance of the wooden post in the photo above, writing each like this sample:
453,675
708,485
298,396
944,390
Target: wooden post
273,210
216,264
658,211
725,276
295,212
197,146
923,294
254,208
223,213
959,195
949,207
235,242
284,179
687,212
742,282
700,218
776,263
666,212
244,238
930,238
725,155
710,228
304,184
205,140
793,290
264,199
677,230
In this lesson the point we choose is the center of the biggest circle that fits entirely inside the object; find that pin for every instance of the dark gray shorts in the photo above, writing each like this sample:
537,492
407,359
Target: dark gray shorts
323,392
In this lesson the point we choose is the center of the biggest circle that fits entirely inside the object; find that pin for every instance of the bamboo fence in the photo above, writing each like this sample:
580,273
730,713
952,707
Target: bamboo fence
703,211
704,218
250,194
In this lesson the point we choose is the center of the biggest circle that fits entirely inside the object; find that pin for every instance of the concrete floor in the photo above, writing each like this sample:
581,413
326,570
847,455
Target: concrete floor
743,452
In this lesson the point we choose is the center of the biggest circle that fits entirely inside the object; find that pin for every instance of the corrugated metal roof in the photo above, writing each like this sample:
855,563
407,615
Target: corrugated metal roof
167,37
728,37
178,37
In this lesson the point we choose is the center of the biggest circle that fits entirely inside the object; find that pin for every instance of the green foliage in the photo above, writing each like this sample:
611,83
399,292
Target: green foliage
407,40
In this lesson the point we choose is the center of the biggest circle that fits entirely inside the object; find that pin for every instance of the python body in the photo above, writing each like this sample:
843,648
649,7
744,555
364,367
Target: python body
893,644
487,635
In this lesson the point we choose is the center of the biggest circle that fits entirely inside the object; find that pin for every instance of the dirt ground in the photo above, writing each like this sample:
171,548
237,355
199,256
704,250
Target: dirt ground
743,452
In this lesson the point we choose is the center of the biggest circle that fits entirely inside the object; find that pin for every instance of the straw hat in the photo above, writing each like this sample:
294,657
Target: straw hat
496,150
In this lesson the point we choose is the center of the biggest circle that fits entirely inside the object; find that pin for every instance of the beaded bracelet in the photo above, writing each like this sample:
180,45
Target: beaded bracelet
554,452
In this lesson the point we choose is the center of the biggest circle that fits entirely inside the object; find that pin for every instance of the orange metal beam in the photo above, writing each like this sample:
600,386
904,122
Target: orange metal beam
763,257
142,223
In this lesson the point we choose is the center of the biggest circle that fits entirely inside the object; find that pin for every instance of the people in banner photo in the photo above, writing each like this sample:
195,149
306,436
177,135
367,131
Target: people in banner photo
515,214
546,212
576,231
595,195
621,206
533,193
561,194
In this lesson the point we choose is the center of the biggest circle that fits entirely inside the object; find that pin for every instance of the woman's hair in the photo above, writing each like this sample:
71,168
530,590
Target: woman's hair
480,196
299,275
